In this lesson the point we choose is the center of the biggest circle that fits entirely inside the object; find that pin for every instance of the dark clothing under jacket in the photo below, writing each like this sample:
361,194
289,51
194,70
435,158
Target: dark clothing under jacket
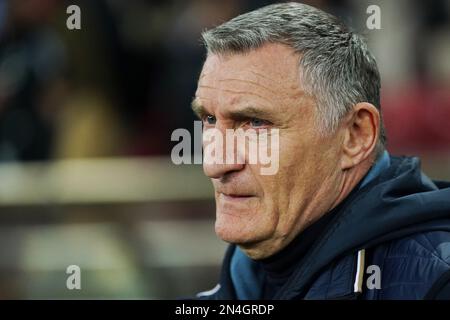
389,239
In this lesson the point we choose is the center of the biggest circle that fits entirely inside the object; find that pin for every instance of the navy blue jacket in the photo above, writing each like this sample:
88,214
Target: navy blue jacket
395,229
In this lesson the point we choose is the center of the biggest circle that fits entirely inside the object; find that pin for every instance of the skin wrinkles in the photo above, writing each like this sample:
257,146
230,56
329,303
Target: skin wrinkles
240,92
250,77
264,95
262,214
257,83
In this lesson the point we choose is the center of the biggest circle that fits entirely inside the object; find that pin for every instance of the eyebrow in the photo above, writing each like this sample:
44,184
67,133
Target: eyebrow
243,113
198,109
249,112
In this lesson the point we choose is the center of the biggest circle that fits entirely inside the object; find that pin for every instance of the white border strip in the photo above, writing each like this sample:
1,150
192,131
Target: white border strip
209,292
357,286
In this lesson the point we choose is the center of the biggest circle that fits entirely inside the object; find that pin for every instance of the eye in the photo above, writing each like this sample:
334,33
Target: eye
211,119
255,122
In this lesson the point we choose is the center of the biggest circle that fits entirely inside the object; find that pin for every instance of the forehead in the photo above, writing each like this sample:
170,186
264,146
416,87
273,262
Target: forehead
264,76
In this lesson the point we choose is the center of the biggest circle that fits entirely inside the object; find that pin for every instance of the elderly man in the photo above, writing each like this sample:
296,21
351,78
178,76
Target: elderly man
341,218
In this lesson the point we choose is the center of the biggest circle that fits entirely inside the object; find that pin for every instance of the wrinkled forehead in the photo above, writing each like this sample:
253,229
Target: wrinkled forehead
270,72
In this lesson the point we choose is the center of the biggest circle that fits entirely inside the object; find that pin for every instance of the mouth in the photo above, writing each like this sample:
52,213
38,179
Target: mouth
235,197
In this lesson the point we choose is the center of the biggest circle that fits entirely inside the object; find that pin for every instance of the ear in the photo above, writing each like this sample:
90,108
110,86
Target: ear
361,131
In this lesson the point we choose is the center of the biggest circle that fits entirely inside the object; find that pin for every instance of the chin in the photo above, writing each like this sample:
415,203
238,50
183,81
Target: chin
255,245
231,232
241,230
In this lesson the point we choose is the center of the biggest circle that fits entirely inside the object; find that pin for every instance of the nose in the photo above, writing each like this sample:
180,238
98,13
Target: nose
221,158
217,171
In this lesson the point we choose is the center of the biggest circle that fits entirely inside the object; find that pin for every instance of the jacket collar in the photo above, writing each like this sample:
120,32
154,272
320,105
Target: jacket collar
398,202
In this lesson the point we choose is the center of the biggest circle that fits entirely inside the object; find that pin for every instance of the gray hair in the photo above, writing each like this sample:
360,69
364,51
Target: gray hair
336,66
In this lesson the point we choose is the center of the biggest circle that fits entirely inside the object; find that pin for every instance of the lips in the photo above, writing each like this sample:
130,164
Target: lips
234,191
235,196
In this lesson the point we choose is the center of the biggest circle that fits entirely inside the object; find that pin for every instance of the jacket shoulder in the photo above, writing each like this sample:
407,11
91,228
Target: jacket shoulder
412,267
432,245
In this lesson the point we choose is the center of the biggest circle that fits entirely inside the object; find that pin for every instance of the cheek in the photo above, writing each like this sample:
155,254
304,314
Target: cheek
295,180
274,201
292,171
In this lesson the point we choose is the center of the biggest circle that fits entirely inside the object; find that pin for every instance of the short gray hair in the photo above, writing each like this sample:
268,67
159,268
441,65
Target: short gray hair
336,66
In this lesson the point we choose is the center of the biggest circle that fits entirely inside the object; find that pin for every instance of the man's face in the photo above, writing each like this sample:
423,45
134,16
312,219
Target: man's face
261,90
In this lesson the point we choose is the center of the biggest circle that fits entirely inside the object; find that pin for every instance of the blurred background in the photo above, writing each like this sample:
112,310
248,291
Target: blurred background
86,118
